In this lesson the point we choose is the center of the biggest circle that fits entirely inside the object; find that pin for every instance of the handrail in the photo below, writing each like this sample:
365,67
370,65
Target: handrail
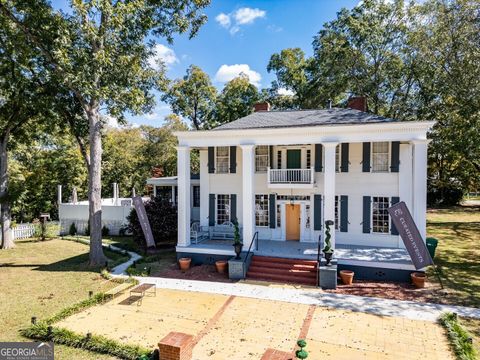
319,260
254,239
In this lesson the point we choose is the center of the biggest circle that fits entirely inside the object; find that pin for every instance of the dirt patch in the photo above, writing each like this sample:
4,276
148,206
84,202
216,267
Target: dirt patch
390,290
199,272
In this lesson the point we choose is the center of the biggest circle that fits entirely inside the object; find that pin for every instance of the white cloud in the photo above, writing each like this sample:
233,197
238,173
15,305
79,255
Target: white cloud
243,16
164,54
110,121
283,91
228,72
224,20
248,15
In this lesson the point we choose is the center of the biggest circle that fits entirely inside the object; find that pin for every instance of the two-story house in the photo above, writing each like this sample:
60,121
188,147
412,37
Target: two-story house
282,174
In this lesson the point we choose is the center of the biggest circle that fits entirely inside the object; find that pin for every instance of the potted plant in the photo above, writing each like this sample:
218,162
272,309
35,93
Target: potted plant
301,353
347,276
327,249
221,266
184,263
418,279
237,244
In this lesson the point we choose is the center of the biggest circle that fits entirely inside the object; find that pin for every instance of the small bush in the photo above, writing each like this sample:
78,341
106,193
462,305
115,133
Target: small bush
444,196
162,216
105,230
460,339
73,230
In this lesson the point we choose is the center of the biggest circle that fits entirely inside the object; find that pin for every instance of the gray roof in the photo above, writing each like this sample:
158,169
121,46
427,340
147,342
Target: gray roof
300,118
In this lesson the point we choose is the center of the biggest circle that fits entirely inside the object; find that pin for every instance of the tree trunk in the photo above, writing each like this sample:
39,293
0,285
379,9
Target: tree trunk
97,257
5,212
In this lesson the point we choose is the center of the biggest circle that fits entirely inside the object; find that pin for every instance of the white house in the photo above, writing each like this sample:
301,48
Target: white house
282,174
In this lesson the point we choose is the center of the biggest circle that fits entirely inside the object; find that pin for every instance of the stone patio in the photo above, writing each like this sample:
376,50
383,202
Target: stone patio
233,327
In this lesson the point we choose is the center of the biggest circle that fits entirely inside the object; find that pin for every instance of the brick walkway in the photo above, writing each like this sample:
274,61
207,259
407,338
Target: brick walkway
242,328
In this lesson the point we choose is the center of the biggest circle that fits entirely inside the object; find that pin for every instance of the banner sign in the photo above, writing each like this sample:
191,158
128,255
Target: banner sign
142,217
403,221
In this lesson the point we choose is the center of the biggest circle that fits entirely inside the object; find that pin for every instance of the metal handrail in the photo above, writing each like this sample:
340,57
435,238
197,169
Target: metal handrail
254,239
318,260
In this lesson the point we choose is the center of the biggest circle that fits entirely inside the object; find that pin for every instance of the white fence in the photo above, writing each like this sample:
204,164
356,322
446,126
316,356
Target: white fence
290,176
23,231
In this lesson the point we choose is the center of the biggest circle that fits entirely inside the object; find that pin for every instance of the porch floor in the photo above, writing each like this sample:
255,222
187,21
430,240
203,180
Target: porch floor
306,250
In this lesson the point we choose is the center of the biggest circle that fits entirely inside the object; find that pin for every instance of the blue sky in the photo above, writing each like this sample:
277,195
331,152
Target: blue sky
246,34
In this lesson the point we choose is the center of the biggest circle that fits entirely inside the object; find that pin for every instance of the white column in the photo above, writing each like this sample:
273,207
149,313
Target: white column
59,194
405,179
183,173
420,185
173,195
204,187
248,195
329,188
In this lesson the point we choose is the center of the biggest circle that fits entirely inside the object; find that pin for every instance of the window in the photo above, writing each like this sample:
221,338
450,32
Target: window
337,213
307,216
279,216
337,158
380,156
309,158
380,216
261,210
222,160
261,158
196,196
223,208
279,159
164,193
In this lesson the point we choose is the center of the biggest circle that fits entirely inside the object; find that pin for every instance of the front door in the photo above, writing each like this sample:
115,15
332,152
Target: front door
294,159
293,222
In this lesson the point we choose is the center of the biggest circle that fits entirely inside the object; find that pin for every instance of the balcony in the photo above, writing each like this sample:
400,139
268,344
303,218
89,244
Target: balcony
291,178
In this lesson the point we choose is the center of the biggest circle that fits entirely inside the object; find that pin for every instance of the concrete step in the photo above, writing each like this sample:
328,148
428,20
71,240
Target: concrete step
281,278
279,265
284,260
287,272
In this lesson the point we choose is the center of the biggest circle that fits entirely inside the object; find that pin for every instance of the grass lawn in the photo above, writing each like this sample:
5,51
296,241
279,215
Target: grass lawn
42,278
458,251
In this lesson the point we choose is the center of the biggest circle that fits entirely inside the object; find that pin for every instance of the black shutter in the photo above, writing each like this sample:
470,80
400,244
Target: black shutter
344,213
395,161
211,209
318,157
393,229
366,157
233,208
211,160
345,156
272,211
271,160
367,204
317,212
233,159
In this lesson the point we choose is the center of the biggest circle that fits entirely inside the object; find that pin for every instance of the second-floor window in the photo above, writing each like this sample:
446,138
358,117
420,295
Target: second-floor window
337,158
261,158
222,161
309,158
380,155
279,159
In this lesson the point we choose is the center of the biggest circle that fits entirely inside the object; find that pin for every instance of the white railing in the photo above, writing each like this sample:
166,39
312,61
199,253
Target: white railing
291,176
23,231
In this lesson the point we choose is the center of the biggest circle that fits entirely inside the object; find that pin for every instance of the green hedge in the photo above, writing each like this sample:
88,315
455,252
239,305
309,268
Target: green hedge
460,339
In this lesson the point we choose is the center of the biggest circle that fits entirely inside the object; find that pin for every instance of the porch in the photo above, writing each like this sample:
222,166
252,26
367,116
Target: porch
370,256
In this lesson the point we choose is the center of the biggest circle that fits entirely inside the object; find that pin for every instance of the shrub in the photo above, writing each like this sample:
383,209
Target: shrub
460,339
162,216
73,230
105,230
444,196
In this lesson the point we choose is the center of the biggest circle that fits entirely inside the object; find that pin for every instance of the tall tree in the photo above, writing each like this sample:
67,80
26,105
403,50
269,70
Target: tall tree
192,97
235,101
99,50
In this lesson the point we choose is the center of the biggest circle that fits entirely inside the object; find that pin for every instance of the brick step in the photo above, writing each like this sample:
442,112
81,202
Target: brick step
281,278
284,260
287,272
279,265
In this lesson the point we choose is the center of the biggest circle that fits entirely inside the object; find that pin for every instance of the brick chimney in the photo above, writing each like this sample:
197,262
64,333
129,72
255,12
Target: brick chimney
358,103
264,106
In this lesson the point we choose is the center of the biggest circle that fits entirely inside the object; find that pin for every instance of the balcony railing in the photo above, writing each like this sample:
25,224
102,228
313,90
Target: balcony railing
291,176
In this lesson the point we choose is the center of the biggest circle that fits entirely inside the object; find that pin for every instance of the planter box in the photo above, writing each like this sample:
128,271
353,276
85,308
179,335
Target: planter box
237,269
328,277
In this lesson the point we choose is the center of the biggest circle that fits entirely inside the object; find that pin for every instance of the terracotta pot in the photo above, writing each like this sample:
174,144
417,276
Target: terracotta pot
347,276
221,266
418,279
184,263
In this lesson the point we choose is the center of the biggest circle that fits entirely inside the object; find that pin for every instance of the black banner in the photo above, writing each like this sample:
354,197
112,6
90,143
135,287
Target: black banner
410,235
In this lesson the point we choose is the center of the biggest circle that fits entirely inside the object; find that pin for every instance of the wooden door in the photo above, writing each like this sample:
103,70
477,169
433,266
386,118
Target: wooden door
293,222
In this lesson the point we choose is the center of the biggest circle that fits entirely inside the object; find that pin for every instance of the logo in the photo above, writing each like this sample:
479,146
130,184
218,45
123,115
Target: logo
26,351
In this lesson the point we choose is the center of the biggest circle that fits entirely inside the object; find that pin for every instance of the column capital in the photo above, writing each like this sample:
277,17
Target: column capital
329,144
182,147
247,146
420,141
